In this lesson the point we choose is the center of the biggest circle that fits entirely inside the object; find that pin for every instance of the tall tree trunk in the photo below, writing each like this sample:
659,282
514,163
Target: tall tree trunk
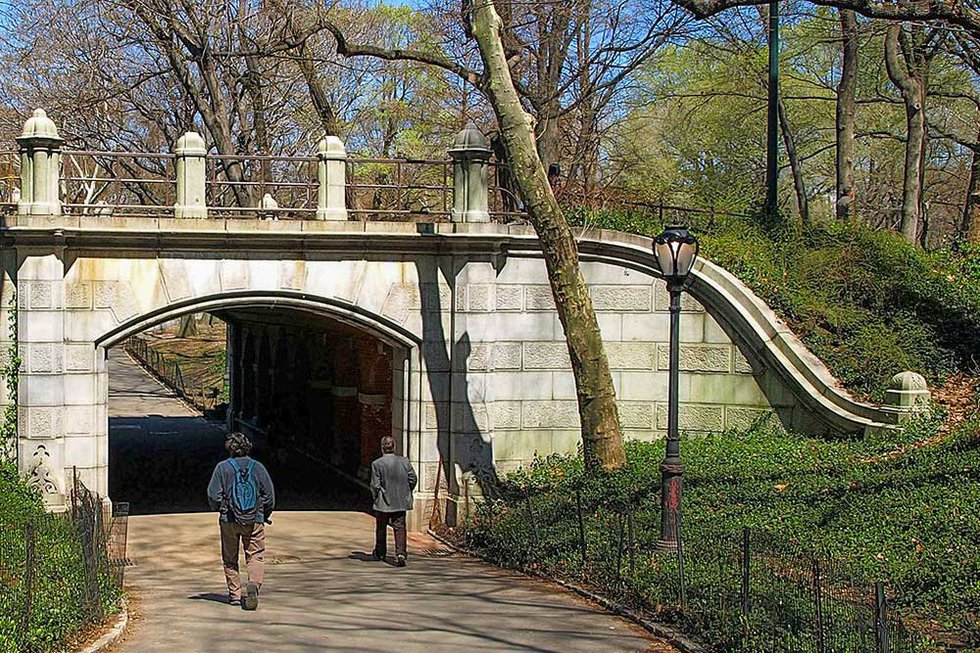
789,141
602,441
906,71
252,82
970,227
846,110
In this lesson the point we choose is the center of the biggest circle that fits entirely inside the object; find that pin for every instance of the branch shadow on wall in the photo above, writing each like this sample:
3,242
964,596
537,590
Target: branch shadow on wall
465,453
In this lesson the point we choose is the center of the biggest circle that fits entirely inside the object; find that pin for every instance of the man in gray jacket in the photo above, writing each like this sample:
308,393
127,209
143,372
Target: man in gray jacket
392,482
242,492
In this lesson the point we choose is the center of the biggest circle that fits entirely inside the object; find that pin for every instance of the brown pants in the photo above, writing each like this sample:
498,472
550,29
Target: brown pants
397,521
252,537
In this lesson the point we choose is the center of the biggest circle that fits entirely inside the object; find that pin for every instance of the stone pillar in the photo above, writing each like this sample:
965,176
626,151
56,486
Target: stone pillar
470,154
40,159
907,396
270,207
41,395
332,176
191,198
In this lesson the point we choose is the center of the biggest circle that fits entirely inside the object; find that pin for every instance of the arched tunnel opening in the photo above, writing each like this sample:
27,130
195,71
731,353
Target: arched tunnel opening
314,394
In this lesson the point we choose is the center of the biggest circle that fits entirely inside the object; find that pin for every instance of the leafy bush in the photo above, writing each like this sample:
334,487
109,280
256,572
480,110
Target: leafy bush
895,508
866,302
59,605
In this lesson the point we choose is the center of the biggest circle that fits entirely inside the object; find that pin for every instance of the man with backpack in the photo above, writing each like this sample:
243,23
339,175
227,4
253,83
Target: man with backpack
241,491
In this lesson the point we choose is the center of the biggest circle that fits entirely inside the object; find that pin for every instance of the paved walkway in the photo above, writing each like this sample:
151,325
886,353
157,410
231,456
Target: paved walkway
321,592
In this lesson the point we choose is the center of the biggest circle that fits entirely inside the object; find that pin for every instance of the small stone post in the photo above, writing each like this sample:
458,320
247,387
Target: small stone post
190,153
470,154
270,206
40,165
332,176
907,396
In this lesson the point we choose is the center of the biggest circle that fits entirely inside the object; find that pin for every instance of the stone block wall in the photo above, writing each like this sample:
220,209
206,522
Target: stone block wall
517,374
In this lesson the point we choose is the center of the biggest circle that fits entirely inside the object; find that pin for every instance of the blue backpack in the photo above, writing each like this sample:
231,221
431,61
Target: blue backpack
244,493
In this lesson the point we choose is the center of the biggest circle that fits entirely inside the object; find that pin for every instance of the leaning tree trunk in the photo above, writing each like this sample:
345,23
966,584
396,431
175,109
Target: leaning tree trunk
796,167
602,441
846,110
910,81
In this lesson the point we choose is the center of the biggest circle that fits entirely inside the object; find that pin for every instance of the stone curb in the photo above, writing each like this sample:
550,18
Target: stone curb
669,635
114,633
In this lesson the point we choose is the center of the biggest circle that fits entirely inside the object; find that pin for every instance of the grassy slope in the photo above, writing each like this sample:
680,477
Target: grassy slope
902,508
869,304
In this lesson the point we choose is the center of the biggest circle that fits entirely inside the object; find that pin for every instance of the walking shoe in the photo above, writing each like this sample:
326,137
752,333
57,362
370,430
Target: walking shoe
376,557
400,561
251,599
234,600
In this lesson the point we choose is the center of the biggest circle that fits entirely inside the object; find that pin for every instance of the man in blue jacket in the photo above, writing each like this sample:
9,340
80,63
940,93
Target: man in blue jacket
392,480
241,491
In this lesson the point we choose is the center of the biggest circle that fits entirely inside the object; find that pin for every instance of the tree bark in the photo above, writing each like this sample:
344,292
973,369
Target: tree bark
846,111
796,167
970,226
906,70
602,441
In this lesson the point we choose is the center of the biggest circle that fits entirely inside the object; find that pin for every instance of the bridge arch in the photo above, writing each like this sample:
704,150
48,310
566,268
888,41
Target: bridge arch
488,378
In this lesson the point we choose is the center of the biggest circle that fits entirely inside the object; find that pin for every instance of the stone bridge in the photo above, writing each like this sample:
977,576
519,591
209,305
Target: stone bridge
443,334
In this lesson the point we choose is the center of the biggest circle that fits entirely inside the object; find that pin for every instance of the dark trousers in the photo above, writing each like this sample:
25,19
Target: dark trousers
397,521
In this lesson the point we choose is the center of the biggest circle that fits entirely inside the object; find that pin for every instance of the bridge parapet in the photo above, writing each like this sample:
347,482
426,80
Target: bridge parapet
193,183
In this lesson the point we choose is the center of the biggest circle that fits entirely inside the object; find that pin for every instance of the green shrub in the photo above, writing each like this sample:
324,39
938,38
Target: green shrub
891,508
57,609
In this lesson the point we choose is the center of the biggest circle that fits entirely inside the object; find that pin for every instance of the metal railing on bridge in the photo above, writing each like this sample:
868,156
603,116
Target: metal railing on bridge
42,178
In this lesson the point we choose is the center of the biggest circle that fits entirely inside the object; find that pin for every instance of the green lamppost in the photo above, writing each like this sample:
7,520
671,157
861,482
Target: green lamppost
675,250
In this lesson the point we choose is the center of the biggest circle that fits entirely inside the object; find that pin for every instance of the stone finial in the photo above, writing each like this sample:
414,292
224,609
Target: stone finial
190,152
471,155
907,395
40,126
191,143
470,139
40,166
332,177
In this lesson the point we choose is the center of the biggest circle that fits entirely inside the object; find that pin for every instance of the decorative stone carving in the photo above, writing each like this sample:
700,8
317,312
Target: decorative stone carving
39,474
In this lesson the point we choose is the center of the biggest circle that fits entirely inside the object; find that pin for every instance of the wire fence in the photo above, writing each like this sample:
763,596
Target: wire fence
201,386
61,573
746,591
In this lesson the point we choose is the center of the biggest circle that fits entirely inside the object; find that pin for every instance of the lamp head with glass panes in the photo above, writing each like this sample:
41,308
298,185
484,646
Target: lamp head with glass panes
675,249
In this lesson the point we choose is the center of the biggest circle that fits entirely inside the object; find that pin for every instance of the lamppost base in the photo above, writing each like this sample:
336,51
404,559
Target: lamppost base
667,546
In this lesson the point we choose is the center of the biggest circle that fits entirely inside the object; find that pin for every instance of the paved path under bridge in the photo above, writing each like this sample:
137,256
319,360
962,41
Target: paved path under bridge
321,592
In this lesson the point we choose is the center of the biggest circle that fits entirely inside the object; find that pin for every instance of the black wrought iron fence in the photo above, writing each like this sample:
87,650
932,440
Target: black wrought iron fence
60,573
745,591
